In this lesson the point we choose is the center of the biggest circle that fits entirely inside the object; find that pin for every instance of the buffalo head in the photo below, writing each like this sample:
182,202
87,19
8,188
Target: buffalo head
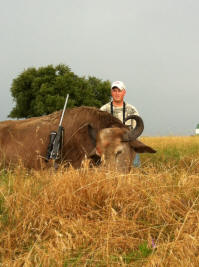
117,146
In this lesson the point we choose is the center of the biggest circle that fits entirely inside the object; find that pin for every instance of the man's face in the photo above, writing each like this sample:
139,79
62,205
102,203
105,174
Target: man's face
117,94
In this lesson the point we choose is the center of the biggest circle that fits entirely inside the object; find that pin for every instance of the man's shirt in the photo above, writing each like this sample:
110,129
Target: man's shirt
118,112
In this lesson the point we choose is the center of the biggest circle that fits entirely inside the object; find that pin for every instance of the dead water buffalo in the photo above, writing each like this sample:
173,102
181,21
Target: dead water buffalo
87,132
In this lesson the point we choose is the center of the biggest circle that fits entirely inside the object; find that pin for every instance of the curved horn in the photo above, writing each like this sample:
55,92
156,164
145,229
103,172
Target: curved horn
137,131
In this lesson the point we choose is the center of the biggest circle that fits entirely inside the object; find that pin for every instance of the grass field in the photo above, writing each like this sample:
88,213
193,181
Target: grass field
92,217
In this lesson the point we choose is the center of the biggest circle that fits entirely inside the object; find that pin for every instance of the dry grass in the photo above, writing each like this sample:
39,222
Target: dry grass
91,217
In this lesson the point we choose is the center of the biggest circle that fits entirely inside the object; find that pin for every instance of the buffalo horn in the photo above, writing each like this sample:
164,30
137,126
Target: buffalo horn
137,131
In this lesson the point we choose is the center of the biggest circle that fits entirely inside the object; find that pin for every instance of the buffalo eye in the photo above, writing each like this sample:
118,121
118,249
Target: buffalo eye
118,153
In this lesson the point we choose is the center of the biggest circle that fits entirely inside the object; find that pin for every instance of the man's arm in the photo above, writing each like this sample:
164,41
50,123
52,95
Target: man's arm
105,107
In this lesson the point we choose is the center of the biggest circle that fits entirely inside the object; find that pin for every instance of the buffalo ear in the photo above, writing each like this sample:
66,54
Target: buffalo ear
139,147
92,132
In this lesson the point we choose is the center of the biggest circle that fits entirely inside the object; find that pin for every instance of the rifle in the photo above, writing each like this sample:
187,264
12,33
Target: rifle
56,138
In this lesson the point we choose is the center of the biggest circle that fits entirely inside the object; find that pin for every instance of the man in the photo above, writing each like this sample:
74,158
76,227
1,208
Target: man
120,109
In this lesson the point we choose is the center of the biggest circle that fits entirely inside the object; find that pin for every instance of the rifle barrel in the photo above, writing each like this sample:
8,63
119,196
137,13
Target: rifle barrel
60,123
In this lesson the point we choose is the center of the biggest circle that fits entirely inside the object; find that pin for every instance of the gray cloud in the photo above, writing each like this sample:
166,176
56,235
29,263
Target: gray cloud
151,45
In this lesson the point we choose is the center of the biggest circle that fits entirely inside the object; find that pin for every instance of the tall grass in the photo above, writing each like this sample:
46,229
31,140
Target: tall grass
92,217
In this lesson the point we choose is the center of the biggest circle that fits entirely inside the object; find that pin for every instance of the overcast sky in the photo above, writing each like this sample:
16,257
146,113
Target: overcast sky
152,46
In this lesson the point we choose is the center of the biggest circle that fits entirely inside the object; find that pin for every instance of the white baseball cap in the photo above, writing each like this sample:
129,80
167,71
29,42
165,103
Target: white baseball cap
120,85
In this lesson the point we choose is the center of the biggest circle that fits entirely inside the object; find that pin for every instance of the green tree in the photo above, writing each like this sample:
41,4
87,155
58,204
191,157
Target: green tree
41,91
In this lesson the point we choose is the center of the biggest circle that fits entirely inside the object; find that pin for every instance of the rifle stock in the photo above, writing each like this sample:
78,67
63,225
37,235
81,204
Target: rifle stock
55,154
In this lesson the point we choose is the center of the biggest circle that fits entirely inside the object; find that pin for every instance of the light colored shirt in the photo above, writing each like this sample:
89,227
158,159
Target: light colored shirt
118,113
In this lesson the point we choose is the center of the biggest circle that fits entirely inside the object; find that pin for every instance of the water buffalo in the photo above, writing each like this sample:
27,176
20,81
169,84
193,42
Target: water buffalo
87,132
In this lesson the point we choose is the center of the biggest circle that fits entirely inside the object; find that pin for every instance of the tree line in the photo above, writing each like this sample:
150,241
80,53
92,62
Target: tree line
42,91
